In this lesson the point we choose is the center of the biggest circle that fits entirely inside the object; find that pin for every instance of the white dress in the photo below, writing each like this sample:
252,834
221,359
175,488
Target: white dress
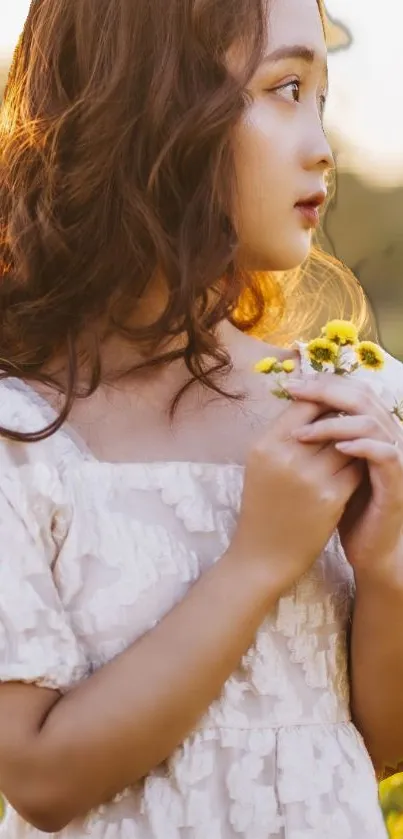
94,555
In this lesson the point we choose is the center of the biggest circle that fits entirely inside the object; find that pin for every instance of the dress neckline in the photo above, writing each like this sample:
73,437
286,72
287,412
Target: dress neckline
78,444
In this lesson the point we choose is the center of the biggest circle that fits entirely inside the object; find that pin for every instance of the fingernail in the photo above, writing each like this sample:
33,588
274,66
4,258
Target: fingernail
343,447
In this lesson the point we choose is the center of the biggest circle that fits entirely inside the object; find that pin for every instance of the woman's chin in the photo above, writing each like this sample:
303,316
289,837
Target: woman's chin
285,260
294,253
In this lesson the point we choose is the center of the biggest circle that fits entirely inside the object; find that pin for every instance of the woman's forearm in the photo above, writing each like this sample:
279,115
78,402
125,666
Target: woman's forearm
129,716
377,667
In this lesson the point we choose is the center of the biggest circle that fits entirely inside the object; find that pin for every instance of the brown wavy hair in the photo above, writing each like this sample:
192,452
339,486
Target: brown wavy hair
116,162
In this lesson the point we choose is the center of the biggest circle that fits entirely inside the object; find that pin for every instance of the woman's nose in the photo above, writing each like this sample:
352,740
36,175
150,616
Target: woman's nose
320,155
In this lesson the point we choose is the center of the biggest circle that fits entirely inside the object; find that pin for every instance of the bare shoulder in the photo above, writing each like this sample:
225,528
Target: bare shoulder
389,375
394,372
392,380
246,349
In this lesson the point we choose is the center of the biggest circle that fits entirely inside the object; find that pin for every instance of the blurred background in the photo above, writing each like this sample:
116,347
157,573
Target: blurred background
364,224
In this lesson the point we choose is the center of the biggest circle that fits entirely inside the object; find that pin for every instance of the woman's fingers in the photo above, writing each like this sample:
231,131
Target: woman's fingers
385,454
337,393
360,413
344,428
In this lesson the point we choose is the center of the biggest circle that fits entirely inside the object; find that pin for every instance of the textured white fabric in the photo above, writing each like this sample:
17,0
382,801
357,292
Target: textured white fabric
94,555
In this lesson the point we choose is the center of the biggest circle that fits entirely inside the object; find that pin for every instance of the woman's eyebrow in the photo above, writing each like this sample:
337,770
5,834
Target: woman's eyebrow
306,54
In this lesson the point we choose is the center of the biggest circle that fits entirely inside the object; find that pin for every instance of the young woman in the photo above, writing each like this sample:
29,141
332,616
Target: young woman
179,558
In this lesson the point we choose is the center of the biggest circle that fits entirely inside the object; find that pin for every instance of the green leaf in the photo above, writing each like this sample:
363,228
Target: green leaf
397,410
281,393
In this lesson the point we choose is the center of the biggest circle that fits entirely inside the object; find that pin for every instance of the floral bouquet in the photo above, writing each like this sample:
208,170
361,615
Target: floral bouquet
336,350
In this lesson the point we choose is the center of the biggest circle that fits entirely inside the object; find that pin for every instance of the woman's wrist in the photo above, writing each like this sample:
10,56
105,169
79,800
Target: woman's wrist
382,577
258,575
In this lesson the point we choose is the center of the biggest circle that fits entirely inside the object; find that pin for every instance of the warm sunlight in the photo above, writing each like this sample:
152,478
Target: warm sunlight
12,17
364,108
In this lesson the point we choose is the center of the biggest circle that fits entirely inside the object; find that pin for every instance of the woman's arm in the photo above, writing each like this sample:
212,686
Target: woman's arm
61,757
377,664
363,425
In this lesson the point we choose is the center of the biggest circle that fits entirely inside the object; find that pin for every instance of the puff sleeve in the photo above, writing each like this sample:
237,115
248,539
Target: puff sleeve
37,641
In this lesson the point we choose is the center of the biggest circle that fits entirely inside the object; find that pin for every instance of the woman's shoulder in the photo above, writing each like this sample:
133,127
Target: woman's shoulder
20,408
33,491
23,412
391,384
393,372
387,379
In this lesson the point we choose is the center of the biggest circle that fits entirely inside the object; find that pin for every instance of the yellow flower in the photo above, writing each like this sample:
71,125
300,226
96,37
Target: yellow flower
394,824
342,332
288,365
266,365
391,782
370,355
322,351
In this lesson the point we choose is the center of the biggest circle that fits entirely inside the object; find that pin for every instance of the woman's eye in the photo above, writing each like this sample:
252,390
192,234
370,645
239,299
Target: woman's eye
322,104
290,90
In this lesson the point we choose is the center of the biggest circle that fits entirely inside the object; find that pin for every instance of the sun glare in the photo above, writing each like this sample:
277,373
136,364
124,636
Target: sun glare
12,17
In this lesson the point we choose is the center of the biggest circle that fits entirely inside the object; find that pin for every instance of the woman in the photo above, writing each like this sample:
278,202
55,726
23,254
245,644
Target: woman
175,598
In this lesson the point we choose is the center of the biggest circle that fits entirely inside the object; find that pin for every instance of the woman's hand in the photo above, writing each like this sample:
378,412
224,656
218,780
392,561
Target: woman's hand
371,529
293,498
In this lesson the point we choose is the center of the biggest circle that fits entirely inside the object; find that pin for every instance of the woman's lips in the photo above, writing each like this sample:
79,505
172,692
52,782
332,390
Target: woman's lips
309,207
310,212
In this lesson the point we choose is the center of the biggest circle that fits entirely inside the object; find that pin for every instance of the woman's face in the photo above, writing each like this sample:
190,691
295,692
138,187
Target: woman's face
281,153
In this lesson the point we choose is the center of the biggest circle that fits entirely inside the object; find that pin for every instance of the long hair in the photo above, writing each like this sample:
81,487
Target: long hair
115,164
